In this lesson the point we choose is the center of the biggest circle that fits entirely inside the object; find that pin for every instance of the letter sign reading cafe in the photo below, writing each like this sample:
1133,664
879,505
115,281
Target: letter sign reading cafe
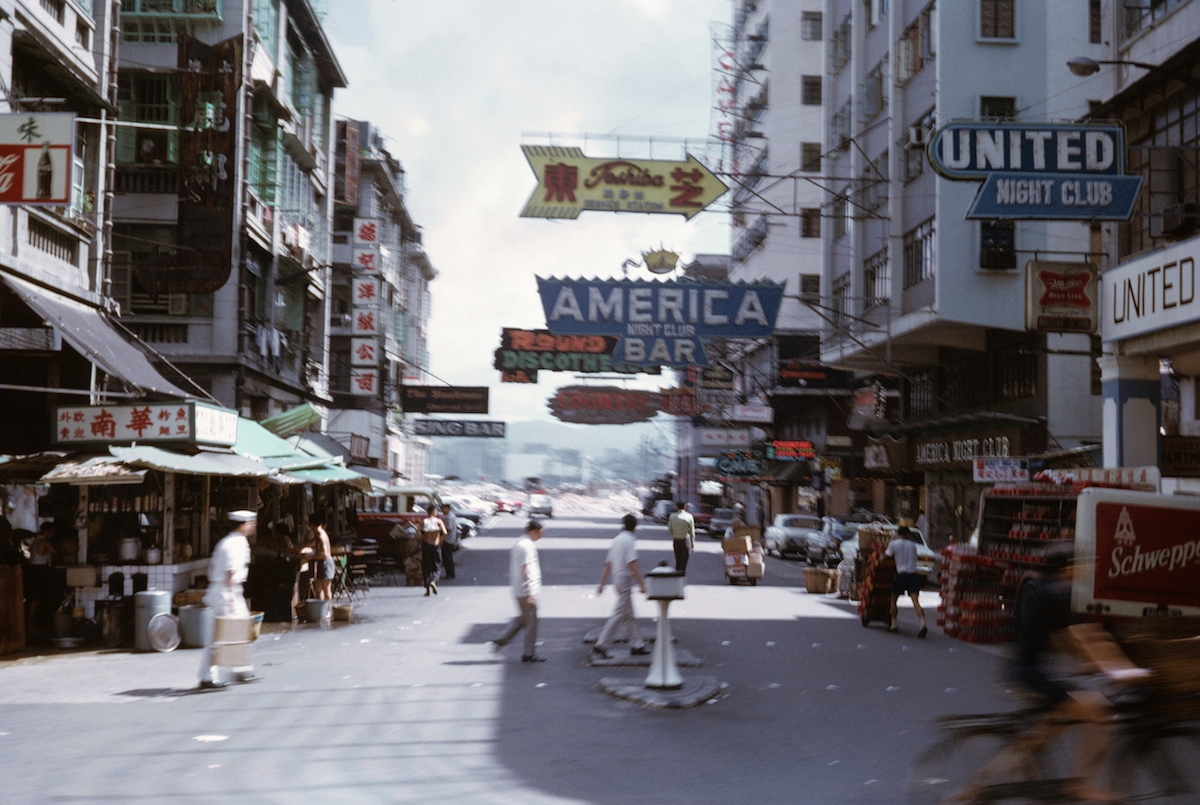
1044,171
660,323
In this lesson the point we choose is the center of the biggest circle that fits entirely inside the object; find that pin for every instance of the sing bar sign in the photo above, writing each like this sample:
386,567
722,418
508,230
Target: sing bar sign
1039,171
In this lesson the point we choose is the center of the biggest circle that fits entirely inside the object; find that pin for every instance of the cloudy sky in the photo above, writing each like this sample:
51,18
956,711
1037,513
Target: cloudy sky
458,86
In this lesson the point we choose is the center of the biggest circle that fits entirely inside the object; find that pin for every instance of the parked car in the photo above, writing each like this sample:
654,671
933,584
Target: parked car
661,511
787,534
702,513
721,520
505,506
823,547
540,505
927,559
462,511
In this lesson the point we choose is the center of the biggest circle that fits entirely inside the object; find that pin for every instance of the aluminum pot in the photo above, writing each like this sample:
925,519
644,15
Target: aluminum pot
129,549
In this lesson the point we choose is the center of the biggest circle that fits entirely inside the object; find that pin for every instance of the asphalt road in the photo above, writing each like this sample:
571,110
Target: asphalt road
407,704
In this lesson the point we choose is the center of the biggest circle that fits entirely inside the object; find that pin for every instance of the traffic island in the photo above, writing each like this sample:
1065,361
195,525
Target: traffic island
694,691
623,657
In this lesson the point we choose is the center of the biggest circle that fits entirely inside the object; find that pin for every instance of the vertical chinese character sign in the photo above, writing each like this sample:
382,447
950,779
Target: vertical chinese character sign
365,325
36,158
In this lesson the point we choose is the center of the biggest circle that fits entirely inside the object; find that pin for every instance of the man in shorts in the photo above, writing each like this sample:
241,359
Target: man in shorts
322,558
904,551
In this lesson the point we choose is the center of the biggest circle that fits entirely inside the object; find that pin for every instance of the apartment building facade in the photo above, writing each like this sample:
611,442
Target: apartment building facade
222,200
388,284
920,293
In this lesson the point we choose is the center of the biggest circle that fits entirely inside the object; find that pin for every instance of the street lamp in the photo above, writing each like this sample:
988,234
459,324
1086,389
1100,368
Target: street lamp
1084,66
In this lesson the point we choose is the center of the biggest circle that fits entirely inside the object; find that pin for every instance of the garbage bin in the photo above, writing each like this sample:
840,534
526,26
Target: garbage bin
146,605
195,625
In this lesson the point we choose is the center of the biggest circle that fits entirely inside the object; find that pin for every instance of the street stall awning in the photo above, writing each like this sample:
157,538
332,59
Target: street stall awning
89,331
324,476
28,469
292,421
204,463
96,470
325,446
255,440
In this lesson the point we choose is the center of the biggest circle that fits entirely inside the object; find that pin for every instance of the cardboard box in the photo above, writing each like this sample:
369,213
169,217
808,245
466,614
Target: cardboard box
232,655
755,567
736,545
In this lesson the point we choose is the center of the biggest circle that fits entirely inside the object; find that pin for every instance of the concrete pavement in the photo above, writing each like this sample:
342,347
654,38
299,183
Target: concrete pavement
406,703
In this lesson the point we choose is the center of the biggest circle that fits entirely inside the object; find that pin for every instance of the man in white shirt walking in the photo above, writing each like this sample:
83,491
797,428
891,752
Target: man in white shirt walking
904,551
621,564
682,526
525,576
227,572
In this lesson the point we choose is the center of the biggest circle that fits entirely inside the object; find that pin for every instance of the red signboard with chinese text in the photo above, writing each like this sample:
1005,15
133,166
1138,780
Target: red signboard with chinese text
149,422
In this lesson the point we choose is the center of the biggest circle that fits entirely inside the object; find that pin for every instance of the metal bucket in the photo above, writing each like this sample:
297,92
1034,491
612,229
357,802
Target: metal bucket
147,604
316,610
195,625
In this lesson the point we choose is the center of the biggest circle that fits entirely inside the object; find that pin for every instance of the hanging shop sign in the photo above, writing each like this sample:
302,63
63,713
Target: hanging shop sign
800,373
36,158
1180,456
569,183
1151,293
444,399
364,381
1056,172
209,81
187,422
750,412
660,323
604,405
1061,297
680,402
527,351
1000,470
364,351
723,437
449,427
741,465
360,447
789,450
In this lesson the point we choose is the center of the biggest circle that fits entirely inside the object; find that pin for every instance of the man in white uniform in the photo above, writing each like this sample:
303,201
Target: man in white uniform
621,563
904,551
525,576
227,571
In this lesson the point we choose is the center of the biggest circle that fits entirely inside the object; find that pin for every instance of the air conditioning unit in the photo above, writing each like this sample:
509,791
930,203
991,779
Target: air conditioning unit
916,137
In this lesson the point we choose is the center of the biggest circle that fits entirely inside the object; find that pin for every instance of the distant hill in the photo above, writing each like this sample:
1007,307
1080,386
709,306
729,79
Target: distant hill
590,438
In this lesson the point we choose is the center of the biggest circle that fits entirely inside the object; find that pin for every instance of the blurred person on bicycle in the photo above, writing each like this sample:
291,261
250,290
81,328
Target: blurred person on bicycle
1045,627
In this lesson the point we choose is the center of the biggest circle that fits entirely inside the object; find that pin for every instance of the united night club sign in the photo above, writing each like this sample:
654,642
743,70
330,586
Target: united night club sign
660,323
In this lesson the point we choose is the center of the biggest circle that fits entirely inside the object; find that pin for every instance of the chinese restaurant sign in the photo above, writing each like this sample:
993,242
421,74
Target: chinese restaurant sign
444,399
569,183
660,323
1061,297
365,324
152,422
36,158
523,352
1053,172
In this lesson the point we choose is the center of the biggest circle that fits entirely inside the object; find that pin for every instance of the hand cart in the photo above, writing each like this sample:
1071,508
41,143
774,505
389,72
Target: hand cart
876,571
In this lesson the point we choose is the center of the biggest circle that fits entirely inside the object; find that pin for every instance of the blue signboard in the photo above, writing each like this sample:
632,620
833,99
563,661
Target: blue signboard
1048,171
660,323
1056,197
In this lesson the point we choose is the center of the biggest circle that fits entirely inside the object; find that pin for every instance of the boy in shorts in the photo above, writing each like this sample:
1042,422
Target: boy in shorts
904,551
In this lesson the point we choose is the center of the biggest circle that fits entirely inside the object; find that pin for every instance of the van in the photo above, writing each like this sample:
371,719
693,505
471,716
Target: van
382,509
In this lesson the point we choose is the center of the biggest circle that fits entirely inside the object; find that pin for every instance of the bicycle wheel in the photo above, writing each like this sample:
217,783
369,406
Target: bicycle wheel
981,766
1147,764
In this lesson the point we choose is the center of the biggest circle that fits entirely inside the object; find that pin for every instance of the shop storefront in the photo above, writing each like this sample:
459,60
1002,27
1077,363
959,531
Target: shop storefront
125,516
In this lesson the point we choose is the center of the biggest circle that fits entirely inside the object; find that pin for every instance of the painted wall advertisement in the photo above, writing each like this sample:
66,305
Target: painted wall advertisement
36,153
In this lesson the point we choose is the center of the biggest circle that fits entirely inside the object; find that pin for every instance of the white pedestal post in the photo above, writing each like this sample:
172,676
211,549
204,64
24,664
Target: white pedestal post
664,674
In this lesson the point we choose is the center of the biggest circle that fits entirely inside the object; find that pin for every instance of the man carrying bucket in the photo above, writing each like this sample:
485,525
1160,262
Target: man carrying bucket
227,571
